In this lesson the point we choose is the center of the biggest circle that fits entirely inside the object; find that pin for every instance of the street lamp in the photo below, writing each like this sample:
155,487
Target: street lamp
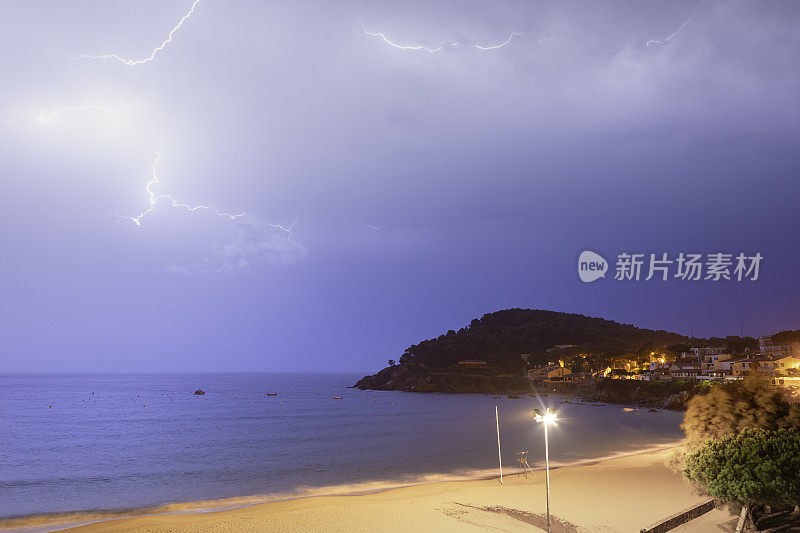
548,418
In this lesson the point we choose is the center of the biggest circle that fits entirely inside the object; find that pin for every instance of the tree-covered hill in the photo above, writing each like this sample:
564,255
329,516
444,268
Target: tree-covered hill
513,340
787,337
499,338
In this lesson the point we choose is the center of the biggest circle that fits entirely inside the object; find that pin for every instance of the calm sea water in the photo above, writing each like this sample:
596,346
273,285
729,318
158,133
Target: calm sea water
89,442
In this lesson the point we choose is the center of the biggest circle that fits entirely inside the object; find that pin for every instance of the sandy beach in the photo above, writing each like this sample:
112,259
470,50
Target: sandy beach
620,494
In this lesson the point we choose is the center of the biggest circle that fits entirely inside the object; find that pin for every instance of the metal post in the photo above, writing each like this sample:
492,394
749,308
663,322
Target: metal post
499,457
548,418
547,475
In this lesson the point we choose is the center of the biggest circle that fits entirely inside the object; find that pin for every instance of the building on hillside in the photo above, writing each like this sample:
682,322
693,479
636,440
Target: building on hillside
621,373
699,353
621,362
548,372
583,376
768,348
660,374
791,381
684,370
726,366
711,362
658,364
473,364
745,365
778,365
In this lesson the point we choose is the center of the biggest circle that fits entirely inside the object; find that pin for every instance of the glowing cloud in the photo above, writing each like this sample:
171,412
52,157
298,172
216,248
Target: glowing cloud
255,243
47,117
133,62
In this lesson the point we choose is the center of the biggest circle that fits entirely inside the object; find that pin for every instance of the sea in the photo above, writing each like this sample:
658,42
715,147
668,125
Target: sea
125,442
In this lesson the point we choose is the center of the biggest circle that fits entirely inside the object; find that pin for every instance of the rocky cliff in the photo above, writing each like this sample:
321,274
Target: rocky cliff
655,394
413,378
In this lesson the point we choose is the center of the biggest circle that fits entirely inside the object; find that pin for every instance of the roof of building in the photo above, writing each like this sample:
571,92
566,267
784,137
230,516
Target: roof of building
777,358
545,368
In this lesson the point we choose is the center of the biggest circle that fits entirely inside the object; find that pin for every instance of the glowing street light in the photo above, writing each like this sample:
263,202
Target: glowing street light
547,419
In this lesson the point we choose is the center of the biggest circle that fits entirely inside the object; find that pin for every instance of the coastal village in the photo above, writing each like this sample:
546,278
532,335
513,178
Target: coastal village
780,363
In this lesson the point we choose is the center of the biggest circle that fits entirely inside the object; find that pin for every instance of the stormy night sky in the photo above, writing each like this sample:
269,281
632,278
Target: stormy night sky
387,193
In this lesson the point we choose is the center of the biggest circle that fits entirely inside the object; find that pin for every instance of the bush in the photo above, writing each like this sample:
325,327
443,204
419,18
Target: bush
756,466
728,409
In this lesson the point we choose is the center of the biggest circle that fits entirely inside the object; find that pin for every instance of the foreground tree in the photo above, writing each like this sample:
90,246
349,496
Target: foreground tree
728,409
756,466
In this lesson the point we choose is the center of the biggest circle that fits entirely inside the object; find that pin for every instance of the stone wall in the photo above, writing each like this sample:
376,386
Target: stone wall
680,518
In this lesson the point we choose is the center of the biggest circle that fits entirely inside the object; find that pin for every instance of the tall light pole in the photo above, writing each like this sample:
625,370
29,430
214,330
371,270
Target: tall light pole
499,457
548,418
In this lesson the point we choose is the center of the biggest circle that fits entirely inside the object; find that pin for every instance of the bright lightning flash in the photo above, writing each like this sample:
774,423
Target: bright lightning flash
154,198
133,62
439,48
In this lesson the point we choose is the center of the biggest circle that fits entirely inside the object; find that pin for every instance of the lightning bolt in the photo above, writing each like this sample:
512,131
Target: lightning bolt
652,43
288,229
418,47
46,118
402,46
133,62
504,43
154,198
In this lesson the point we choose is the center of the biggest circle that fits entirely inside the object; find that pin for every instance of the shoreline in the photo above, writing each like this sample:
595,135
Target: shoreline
660,394
203,509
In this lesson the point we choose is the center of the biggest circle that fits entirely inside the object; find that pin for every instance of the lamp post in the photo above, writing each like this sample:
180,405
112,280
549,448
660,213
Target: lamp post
548,418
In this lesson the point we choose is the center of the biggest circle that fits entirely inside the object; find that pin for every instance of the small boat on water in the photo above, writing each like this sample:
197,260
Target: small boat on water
337,397
199,392
272,393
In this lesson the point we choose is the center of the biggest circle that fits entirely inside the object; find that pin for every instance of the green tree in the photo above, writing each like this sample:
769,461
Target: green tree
677,349
755,466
